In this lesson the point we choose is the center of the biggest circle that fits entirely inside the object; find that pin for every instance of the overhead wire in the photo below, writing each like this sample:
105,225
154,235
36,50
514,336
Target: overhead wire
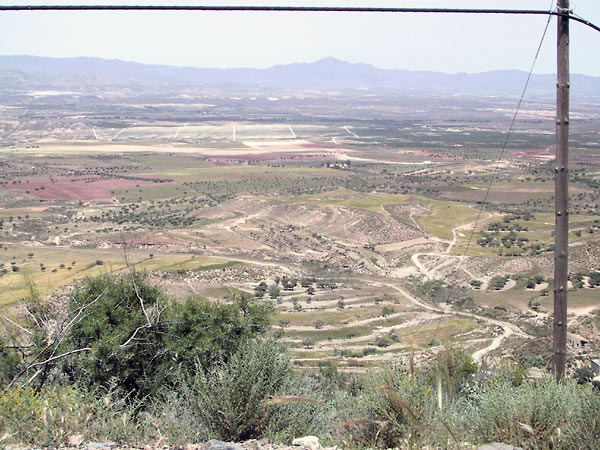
496,168
339,9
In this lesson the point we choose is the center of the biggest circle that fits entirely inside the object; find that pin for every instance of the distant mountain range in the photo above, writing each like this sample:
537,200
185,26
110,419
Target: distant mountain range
21,72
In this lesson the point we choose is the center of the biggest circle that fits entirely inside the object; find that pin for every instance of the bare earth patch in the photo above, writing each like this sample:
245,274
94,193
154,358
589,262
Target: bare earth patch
77,189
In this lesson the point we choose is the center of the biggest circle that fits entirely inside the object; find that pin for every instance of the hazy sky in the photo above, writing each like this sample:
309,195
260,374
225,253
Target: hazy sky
448,43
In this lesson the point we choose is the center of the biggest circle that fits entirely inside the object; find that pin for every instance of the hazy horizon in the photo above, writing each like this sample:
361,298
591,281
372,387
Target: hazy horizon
280,65
415,42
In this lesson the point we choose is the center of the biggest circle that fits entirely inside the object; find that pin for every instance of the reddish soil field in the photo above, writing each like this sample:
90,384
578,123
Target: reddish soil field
77,190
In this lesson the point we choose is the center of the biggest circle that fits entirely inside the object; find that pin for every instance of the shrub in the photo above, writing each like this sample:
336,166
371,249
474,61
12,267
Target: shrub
313,406
122,335
42,418
49,416
533,415
231,398
398,408
455,370
584,375
498,282
141,339
387,310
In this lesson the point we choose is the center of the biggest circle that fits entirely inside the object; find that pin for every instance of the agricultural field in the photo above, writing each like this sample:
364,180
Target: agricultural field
379,232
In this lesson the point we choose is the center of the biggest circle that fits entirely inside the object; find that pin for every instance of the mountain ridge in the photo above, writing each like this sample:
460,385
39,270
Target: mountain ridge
323,74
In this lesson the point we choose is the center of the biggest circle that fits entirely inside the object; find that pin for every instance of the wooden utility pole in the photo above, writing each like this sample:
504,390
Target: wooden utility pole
561,239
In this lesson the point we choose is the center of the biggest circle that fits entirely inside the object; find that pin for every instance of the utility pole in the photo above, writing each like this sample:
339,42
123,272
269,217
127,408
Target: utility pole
561,239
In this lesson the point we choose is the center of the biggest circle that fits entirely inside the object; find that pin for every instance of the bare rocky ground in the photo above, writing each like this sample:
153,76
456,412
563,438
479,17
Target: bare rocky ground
304,443
260,231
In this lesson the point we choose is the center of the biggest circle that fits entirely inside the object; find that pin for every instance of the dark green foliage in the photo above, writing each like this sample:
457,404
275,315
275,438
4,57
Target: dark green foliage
436,291
475,283
594,279
577,280
498,282
288,283
123,344
261,289
210,332
387,310
307,281
274,291
140,340
9,363
584,375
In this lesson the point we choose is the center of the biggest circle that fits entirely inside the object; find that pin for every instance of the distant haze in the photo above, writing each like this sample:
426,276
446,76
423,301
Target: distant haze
416,42
28,72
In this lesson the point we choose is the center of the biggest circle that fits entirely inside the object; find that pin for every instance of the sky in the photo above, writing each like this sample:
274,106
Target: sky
434,42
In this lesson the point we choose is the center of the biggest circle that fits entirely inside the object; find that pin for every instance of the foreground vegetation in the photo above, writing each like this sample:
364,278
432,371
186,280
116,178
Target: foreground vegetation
125,363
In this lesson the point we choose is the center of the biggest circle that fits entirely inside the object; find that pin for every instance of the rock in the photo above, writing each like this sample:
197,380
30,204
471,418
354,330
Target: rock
310,442
192,447
75,440
253,444
498,446
100,445
214,444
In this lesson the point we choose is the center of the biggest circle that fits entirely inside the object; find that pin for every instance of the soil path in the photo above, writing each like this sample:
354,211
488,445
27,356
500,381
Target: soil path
447,259
508,328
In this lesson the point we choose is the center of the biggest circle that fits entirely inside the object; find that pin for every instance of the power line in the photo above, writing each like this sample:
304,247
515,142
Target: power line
496,169
336,9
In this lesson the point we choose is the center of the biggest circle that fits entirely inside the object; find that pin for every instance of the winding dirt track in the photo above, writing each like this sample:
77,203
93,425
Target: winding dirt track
508,328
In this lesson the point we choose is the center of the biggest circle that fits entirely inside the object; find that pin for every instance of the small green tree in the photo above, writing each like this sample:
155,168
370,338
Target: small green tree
261,289
584,375
475,283
274,291
130,332
498,282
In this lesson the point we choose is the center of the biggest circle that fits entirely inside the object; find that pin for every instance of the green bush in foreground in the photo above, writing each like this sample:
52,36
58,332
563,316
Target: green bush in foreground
53,415
400,408
152,371
127,333
232,398
254,394
536,415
